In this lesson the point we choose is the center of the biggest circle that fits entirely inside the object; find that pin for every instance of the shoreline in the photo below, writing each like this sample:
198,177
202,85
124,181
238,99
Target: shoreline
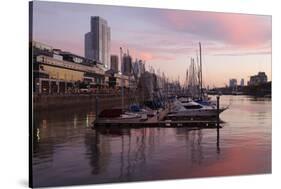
55,102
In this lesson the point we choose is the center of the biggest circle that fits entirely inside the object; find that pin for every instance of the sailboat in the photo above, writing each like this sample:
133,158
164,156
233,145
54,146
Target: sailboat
196,104
147,89
192,110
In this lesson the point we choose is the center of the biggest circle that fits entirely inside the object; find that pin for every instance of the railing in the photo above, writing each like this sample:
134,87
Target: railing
99,92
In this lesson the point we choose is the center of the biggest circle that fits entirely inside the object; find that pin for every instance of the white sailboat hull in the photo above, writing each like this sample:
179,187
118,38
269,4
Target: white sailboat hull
195,113
193,109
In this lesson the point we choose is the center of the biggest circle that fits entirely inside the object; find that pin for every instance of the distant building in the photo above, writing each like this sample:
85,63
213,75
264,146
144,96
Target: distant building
138,67
233,83
115,80
127,64
114,63
41,46
242,82
57,71
97,41
260,78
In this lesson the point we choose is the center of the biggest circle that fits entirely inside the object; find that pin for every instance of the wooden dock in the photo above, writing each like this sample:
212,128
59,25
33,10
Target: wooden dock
155,121
139,124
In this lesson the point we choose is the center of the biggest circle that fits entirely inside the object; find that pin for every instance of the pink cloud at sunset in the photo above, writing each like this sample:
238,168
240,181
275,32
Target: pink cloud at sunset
152,57
166,39
141,52
235,29
146,56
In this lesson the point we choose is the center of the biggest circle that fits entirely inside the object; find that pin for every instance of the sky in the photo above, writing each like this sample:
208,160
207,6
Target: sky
233,45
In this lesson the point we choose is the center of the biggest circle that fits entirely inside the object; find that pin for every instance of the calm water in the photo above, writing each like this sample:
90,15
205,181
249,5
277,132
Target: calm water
68,151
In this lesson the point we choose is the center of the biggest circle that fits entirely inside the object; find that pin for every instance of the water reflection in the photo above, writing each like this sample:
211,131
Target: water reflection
130,146
38,134
75,121
130,149
68,151
218,140
93,151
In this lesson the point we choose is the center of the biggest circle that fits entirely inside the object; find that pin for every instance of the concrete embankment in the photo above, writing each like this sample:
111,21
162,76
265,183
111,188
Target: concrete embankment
49,102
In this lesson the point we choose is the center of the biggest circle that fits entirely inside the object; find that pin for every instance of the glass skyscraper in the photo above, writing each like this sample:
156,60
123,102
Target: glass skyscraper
97,41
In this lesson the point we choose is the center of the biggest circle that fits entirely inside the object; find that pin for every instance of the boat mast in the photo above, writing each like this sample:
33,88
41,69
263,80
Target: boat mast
129,76
201,78
186,81
122,79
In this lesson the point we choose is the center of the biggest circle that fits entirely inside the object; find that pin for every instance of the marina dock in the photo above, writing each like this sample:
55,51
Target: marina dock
155,121
140,124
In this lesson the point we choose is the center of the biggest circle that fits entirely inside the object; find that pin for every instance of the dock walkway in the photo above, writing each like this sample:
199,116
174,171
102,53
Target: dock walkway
155,121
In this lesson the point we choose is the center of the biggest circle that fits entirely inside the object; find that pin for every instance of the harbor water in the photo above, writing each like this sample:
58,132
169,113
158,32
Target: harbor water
68,152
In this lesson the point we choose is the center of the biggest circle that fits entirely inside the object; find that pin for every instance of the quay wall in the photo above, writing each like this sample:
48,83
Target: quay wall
51,102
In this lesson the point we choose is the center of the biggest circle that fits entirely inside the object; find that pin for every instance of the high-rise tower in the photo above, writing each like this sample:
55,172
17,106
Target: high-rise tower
97,41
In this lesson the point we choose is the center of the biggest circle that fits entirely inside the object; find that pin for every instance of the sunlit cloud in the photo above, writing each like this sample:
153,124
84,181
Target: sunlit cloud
234,29
244,53
165,39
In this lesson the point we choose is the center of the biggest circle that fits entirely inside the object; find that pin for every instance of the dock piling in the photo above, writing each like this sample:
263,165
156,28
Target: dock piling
218,112
218,124
97,108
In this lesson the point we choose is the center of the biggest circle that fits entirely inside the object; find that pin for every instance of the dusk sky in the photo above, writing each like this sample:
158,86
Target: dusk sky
233,45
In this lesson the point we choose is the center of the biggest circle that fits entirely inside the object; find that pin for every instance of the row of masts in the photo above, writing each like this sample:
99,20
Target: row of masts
193,83
194,77
122,80
201,76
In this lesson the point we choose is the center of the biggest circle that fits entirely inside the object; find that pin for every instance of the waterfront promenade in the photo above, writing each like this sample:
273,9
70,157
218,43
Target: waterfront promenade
62,101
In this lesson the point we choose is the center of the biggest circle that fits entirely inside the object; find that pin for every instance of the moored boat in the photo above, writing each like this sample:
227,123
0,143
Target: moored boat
193,110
